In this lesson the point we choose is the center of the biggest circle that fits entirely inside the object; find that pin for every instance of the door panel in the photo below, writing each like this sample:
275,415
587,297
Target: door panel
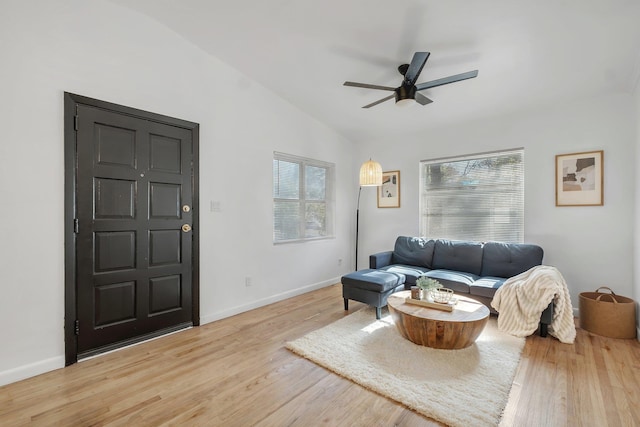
114,250
134,261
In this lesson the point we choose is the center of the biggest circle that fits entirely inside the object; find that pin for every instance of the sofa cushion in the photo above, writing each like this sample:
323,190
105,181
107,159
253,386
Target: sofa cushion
486,286
458,281
413,251
458,255
373,280
411,272
509,259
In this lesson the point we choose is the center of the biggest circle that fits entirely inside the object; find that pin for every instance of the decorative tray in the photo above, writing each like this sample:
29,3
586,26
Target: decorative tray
438,306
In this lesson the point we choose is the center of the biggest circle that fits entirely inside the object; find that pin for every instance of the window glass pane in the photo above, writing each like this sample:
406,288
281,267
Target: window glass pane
315,220
479,198
286,179
303,198
286,220
315,182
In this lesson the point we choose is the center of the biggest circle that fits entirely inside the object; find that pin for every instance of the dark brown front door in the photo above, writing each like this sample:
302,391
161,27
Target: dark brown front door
134,227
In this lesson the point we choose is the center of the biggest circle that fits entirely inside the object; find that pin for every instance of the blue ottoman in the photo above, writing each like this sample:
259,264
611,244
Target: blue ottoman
371,287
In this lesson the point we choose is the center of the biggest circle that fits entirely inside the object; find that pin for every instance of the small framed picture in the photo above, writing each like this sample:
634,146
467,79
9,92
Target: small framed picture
389,191
580,179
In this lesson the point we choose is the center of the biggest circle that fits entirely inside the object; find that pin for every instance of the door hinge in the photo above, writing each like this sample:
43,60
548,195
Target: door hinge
75,122
76,225
77,327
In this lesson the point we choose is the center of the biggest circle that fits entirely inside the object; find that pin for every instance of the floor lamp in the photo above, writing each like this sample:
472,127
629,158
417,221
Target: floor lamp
370,176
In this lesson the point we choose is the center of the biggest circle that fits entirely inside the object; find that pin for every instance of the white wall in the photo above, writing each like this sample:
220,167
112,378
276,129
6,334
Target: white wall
591,246
103,51
636,253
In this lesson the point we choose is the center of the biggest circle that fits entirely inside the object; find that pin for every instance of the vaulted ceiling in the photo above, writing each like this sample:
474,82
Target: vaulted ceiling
529,54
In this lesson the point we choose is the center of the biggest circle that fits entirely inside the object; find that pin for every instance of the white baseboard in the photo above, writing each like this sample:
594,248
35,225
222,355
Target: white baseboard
212,317
31,370
40,367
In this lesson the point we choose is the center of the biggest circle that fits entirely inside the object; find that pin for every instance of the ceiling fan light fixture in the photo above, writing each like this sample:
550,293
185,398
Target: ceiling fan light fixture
405,95
404,102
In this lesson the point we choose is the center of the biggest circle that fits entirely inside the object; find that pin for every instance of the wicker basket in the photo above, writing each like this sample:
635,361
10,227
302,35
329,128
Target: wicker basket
608,314
441,295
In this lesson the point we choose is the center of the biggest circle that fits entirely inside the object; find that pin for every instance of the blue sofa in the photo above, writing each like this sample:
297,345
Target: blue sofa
475,269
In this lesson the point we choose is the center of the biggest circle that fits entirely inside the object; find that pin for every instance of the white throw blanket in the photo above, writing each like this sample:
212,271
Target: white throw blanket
521,300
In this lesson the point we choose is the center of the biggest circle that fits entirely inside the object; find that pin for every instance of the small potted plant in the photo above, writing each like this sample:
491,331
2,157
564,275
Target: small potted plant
427,284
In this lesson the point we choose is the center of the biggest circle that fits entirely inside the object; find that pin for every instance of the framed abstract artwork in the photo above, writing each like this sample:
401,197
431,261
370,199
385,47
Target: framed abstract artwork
389,191
580,179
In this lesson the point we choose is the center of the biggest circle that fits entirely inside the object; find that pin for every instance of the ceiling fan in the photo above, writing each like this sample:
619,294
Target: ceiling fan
409,90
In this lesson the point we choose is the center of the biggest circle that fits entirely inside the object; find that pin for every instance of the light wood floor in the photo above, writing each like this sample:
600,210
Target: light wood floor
236,372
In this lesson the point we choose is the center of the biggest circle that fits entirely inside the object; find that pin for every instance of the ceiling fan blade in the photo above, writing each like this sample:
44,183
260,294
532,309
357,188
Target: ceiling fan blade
380,101
368,86
447,80
422,100
415,68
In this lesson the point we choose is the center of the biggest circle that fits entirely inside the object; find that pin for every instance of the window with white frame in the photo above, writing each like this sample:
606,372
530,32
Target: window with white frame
477,197
303,194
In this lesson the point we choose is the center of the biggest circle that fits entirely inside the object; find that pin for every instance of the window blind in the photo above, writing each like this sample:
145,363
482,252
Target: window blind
478,197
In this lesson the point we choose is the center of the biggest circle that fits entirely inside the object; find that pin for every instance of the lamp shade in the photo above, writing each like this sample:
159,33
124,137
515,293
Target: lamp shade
370,174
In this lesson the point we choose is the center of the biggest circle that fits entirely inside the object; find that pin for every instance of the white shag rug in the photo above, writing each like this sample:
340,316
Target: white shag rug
467,387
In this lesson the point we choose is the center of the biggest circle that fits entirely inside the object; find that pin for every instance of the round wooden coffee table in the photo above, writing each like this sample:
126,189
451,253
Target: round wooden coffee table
436,328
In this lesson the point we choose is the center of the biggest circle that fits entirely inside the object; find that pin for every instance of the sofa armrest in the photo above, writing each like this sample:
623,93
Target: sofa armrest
381,259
